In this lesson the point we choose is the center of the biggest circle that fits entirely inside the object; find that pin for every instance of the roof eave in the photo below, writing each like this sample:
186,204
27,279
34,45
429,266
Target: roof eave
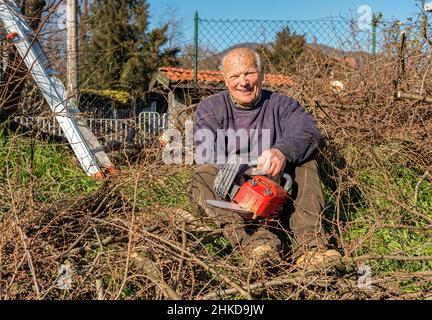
162,78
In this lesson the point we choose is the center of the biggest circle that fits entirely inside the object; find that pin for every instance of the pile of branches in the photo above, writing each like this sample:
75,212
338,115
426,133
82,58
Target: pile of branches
106,246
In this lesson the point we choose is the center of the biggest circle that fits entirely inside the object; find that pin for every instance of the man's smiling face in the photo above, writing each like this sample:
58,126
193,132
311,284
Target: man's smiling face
242,77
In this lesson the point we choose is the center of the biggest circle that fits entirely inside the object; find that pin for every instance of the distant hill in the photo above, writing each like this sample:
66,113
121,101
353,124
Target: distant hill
252,45
334,52
354,58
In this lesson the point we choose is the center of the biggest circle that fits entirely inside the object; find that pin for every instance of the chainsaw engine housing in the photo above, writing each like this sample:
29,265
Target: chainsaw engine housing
261,196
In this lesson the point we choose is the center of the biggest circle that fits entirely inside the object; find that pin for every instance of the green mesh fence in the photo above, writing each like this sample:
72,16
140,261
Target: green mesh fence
332,36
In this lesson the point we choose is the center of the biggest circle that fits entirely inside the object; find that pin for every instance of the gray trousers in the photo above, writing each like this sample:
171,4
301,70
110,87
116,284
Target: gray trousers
302,216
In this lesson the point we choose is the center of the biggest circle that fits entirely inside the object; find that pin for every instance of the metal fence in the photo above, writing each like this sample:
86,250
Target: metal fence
133,131
214,37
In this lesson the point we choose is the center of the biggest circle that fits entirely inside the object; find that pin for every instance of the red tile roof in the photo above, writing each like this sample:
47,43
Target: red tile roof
208,76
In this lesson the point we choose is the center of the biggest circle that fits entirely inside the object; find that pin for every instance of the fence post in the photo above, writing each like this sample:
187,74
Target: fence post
376,18
196,48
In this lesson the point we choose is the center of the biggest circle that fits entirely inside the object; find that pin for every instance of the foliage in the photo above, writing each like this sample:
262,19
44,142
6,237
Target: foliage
285,51
121,52
386,193
102,100
386,184
120,97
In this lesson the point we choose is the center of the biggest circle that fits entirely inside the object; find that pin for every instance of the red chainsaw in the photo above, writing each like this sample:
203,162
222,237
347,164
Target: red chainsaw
258,198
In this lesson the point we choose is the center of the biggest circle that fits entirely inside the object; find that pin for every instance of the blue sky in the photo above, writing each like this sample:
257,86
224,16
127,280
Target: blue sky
282,9
184,10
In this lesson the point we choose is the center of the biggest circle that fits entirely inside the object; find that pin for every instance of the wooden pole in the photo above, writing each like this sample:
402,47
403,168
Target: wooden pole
401,54
413,97
196,22
72,49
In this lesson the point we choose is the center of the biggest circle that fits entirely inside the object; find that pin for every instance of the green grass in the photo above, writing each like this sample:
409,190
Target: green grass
166,191
219,247
50,169
385,177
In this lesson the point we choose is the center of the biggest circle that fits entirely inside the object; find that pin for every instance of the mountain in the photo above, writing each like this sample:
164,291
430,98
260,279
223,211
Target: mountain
352,58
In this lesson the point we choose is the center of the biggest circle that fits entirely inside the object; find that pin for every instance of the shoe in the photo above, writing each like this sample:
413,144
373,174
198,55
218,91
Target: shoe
264,255
319,259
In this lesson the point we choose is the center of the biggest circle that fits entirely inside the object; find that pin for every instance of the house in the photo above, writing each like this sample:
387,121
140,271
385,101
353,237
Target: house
173,89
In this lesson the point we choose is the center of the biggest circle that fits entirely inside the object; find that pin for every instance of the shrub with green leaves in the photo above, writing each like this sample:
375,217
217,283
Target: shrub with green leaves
387,208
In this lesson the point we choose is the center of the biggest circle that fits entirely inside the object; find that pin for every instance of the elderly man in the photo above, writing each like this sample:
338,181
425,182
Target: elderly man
294,139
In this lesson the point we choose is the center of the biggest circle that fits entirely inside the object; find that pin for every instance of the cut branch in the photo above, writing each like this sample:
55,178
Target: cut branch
415,97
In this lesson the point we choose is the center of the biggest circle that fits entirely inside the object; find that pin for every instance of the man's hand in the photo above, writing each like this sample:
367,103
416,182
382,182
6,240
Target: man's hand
272,162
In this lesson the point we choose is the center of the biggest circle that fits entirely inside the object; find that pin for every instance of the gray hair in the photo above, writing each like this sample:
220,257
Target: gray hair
259,62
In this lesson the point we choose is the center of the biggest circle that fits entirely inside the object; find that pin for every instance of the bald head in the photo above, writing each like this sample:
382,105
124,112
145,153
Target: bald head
242,56
243,74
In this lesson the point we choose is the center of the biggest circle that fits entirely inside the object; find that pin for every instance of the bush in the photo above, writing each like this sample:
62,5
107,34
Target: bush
102,101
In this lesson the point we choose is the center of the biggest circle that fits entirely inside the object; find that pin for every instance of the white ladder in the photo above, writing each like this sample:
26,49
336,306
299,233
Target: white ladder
87,148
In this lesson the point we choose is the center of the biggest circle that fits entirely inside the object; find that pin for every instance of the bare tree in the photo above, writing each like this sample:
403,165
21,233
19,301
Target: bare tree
176,23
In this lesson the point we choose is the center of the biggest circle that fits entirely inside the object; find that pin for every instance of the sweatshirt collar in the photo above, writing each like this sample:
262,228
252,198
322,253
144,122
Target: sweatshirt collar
254,104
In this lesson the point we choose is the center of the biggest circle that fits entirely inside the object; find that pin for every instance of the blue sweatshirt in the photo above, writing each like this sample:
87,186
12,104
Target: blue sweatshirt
222,128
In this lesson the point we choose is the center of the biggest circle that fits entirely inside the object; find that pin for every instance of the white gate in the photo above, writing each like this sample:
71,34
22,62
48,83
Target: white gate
131,131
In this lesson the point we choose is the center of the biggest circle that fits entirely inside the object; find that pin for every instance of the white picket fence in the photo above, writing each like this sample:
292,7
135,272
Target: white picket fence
125,131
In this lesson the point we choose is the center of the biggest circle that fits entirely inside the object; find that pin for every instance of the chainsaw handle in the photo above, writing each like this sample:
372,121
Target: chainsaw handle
253,163
288,180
